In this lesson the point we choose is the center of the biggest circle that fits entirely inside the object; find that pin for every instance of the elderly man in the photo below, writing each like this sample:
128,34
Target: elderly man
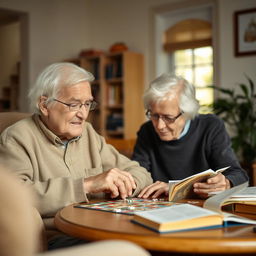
177,142
59,154
21,227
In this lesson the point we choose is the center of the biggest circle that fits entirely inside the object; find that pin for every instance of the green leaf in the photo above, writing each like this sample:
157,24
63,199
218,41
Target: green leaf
238,110
251,84
244,89
223,90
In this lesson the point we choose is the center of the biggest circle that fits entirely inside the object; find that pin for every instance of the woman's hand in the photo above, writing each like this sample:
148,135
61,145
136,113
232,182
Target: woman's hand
154,190
215,184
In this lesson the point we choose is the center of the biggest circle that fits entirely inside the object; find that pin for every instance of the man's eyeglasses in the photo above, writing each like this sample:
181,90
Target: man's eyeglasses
89,105
167,119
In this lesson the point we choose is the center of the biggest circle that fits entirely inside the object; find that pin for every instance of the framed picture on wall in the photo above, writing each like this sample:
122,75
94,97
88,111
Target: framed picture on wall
245,32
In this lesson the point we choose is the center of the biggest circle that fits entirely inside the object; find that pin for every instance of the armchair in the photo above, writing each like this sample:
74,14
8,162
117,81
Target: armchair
124,146
9,118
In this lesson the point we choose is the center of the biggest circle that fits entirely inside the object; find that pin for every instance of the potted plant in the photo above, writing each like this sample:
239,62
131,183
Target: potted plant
238,109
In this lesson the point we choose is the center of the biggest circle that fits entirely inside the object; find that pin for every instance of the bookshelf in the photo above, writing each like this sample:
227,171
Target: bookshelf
118,88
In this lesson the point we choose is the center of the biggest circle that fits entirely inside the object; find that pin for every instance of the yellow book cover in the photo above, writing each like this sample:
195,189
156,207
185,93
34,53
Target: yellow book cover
181,217
183,189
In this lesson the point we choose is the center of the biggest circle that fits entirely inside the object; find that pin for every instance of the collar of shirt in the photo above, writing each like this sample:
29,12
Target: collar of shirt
50,135
186,128
65,143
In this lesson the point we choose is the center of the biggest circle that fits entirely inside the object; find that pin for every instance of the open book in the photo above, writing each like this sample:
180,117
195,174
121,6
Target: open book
180,217
183,189
245,196
243,202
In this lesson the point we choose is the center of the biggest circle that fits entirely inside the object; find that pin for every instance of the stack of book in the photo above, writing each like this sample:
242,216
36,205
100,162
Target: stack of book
115,122
244,202
114,70
180,216
115,95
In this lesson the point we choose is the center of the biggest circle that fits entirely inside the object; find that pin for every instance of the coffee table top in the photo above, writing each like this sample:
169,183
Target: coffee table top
99,225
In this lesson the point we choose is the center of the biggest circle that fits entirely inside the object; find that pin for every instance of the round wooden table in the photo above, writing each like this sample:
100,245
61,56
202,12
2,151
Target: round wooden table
98,225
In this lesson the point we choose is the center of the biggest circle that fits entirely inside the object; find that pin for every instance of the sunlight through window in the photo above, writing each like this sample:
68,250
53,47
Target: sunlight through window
196,65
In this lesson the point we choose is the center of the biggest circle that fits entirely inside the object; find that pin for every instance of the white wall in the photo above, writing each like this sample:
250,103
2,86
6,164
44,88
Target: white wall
231,68
165,20
56,30
127,21
59,29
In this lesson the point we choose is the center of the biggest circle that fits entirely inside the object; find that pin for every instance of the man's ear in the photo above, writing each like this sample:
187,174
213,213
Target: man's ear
42,105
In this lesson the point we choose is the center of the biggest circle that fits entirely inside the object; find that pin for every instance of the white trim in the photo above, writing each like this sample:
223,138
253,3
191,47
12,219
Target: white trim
163,16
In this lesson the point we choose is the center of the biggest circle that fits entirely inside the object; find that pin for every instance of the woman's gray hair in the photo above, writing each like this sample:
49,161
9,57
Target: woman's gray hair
55,77
168,84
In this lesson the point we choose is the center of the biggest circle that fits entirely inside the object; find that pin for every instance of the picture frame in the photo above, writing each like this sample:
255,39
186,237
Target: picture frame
245,32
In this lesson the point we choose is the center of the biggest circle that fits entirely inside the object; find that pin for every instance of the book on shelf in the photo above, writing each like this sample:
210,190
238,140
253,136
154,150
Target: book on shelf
95,69
183,217
114,70
114,95
115,122
183,189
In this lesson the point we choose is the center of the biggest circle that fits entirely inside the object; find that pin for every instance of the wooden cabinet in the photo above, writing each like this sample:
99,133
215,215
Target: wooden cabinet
118,88
253,174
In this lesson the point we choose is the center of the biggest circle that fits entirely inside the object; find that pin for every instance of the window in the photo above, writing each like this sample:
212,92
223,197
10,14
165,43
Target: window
196,65
188,45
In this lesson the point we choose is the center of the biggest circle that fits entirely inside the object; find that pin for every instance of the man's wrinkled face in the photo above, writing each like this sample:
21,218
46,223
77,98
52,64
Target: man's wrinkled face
59,119
162,111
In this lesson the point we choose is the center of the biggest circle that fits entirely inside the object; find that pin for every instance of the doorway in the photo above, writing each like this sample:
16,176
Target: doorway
13,59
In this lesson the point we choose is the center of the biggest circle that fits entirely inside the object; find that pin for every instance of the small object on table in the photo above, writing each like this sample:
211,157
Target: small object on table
128,200
117,210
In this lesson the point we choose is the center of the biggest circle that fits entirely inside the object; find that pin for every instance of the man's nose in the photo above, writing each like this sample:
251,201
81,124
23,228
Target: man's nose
83,112
160,123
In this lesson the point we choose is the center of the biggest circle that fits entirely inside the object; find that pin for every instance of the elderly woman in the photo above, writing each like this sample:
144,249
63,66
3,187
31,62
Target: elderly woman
59,155
177,142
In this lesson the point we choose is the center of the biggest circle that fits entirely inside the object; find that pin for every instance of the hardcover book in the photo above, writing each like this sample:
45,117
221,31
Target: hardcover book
183,189
246,196
180,217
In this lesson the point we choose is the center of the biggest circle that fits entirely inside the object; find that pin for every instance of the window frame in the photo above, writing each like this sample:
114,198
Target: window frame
193,67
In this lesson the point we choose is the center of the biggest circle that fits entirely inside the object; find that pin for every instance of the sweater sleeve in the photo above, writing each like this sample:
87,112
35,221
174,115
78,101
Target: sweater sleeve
142,149
221,154
111,158
53,193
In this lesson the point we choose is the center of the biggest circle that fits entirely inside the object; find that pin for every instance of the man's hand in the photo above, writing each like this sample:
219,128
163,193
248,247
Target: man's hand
214,184
154,190
114,181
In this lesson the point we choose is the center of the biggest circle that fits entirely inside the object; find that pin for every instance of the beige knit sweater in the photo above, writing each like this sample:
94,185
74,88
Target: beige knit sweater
55,171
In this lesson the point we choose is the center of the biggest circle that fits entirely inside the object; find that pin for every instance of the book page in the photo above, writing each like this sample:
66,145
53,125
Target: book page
206,173
184,188
229,217
244,196
172,184
222,169
215,202
176,213
240,200
249,192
